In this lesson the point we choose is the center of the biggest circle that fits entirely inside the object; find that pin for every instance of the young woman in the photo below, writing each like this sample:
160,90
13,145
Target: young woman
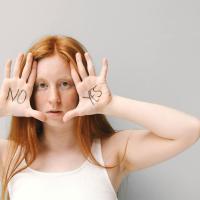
60,144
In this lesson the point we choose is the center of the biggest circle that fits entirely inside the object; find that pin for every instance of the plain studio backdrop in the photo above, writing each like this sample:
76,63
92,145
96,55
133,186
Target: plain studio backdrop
153,52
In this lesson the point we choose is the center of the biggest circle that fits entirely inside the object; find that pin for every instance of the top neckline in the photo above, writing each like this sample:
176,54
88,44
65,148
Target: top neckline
61,173
58,173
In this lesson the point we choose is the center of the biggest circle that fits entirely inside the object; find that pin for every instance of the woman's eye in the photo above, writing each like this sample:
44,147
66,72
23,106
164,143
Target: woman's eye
41,85
64,84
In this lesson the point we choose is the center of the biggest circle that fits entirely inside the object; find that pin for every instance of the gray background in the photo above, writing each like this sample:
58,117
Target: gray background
153,53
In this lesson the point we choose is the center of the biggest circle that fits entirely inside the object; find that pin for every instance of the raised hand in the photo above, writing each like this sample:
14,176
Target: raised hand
93,91
15,92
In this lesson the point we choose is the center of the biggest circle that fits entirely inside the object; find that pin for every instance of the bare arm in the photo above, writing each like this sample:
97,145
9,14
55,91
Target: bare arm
168,133
15,93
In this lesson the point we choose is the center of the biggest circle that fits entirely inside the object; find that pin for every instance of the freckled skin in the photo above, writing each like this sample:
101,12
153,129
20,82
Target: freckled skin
52,72
51,69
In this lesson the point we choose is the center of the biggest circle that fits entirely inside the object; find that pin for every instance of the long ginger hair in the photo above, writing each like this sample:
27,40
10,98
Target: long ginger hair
25,132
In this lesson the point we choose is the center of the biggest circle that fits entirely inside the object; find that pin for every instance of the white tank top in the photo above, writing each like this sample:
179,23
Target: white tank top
88,182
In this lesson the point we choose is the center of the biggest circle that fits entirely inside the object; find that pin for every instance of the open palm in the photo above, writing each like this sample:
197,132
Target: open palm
93,91
15,92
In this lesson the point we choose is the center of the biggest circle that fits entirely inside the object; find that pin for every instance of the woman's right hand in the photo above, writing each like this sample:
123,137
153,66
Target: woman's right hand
15,92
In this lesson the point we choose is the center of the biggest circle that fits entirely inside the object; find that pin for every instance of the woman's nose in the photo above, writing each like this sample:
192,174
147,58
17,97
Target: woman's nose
54,96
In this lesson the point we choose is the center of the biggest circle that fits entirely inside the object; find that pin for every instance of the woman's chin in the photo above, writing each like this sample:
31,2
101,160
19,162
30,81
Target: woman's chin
57,122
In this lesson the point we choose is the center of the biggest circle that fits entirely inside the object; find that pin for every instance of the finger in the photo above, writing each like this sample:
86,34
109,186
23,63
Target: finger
81,67
70,114
74,75
90,67
8,68
32,77
17,65
104,69
36,114
27,67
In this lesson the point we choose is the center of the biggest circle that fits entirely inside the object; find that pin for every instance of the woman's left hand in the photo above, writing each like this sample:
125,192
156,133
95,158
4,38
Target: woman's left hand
93,91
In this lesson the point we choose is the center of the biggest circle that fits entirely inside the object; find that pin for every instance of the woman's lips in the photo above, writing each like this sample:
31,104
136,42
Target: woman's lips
54,113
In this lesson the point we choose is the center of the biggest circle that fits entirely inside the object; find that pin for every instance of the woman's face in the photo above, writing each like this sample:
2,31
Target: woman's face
54,88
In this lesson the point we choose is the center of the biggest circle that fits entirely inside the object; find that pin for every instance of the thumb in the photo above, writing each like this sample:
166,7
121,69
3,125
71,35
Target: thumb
36,114
70,114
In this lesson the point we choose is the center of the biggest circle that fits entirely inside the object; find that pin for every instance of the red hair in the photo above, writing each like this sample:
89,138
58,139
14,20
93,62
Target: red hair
24,134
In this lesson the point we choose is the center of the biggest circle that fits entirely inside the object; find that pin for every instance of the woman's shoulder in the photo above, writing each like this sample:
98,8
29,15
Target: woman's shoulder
115,143
117,140
3,147
112,149
4,150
